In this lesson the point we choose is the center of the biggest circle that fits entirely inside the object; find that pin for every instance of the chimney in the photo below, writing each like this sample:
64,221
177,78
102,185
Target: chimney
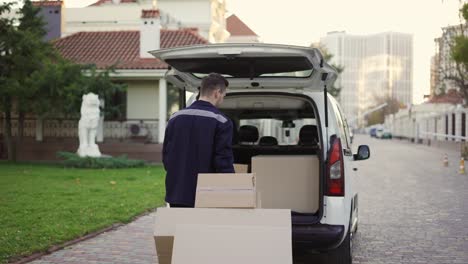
52,13
150,32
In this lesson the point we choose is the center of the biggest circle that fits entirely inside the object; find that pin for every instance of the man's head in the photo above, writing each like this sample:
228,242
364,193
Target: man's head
213,88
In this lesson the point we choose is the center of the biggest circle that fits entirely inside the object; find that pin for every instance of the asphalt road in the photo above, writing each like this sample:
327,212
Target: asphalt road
412,209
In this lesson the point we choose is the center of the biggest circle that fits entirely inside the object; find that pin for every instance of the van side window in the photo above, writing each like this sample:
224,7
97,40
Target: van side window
343,126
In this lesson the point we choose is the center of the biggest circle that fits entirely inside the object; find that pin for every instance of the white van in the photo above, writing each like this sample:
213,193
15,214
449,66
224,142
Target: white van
289,131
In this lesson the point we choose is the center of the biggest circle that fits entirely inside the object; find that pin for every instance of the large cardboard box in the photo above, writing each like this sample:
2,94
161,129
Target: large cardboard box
288,182
241,168
168,219
226,190
204,244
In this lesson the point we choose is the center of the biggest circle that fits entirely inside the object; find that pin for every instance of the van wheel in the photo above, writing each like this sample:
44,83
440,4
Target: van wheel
342,254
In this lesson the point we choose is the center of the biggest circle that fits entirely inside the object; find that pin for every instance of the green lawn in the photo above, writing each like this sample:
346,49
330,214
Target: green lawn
45,205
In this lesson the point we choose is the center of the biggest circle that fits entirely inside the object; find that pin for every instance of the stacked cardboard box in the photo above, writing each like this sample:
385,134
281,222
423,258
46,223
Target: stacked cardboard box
219,231
241,168
212,233
205,244
226,191
288,182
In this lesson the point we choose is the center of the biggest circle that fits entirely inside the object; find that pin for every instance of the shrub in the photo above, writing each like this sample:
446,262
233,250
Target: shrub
72,160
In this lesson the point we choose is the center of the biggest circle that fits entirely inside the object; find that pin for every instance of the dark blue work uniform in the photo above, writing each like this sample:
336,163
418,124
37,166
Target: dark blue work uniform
198,140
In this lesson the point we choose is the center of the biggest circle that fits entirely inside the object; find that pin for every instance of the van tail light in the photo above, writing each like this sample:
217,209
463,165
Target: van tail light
335,170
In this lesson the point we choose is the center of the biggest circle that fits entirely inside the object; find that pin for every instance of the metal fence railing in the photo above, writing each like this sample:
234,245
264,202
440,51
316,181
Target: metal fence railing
145,129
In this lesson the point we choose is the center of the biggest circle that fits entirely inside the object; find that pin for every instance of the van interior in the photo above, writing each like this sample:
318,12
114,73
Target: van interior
277,136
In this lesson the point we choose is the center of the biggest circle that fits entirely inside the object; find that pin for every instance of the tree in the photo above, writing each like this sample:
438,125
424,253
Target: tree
454,67
173,99
378,116
327,56
8,35
64,83
24,53
35,80
31,53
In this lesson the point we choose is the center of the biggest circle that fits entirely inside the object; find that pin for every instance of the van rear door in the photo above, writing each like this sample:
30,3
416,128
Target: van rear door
248,66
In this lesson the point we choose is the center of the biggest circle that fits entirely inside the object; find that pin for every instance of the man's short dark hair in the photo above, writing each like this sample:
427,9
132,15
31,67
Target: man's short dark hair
213,82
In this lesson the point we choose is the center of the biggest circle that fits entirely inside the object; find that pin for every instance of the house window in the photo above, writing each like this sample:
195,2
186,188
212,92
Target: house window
446,126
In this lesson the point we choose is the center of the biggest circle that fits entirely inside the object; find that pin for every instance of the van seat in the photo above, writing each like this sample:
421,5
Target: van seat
308,136
268,141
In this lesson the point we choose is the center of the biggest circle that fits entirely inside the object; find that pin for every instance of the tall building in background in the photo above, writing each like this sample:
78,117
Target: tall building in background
375,66
444,66
435,75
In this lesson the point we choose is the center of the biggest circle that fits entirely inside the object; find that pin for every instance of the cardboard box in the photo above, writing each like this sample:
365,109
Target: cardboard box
241,168
226,190
164,248
168,219
201,244
288,182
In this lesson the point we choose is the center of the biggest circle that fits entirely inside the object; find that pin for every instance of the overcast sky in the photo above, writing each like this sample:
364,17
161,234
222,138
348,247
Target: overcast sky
301,22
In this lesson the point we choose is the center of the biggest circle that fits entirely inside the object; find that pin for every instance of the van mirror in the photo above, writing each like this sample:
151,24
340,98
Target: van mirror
363,153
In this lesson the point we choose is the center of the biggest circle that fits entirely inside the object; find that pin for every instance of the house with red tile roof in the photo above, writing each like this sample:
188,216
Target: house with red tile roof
120,33
127,51
145,102
239,31
451,97
121,48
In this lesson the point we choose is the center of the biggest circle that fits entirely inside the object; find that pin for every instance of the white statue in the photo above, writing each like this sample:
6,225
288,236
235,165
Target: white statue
87,126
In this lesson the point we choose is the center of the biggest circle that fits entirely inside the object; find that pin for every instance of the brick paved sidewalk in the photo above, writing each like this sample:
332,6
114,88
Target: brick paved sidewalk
132,243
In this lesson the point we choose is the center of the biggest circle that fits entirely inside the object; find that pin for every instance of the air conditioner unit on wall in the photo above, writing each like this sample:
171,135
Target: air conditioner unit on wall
139,130
135,130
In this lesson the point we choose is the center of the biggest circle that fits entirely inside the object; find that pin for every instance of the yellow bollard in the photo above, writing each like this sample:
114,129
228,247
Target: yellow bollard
462,166
446,161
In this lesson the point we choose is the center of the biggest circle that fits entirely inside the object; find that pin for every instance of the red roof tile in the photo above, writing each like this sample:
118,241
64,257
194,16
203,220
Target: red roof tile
120,48
451,97
149,13
47,3
236,27
101,2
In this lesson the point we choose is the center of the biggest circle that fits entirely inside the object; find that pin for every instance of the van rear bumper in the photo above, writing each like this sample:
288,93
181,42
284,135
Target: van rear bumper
317,236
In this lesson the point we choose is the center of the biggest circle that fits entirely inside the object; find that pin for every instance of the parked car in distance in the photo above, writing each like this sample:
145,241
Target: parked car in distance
379,132
387,134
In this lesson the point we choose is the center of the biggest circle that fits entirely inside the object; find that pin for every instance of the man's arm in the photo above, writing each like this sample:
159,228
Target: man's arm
223,158
165,149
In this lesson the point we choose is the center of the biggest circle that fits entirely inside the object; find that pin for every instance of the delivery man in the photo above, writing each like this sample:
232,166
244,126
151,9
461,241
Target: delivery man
198,140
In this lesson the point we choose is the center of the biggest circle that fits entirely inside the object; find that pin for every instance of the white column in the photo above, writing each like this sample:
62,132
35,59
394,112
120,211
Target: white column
450,120
458,117
466,124
162,109
39,129
100,129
